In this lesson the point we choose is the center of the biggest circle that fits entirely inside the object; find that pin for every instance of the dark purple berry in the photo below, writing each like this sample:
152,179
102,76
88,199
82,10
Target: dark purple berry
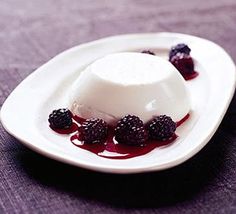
60,119
148,52
161,128
93,131
184,63
180,48
130,130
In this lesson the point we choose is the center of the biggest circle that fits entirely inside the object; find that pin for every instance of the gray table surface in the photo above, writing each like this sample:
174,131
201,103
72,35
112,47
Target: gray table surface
32,32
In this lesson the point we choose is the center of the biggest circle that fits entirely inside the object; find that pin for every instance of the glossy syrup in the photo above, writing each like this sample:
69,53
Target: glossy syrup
113,150
190,76
72,129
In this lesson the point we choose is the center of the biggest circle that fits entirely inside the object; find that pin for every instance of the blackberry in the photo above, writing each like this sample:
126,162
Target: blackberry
180,48
148,52
60,118
130,130
93,130
183,63
161,128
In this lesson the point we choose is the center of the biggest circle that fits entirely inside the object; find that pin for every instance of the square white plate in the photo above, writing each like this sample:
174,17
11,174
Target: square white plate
25,112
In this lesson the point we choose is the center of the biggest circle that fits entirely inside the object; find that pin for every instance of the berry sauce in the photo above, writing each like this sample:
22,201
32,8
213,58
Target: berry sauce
180,122
73,128
113,150
190,76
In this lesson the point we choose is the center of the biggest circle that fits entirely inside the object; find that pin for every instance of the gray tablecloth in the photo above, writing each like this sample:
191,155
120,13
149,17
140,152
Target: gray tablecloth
32,32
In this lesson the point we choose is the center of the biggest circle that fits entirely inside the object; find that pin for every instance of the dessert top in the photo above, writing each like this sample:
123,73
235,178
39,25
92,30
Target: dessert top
129,68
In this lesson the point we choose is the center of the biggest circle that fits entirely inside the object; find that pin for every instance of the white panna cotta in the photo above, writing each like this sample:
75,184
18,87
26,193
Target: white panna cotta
130,83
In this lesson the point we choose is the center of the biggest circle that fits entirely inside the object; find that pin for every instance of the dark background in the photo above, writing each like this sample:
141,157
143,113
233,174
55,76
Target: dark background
32,32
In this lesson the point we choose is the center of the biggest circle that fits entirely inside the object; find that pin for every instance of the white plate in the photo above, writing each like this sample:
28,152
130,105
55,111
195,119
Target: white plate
24,114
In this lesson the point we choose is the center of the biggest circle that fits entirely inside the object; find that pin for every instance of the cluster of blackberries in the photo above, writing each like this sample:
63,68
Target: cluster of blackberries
60,119
129,130
179,56
93,131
